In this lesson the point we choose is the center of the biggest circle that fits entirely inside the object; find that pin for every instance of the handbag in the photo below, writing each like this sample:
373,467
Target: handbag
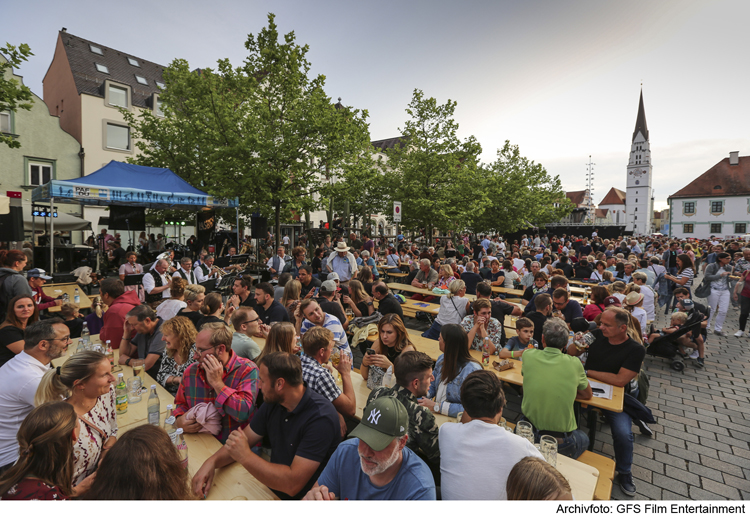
704,289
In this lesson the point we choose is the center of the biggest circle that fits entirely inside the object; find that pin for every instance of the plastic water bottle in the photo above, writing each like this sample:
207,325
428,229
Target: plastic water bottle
153,406
85,334
169,423
121,395
181,445
77,297
486,351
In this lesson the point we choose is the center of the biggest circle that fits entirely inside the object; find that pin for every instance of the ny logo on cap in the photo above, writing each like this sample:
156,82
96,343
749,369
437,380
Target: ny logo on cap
374,416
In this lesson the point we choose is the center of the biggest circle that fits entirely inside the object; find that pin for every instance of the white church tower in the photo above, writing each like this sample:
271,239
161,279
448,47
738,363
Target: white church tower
638,195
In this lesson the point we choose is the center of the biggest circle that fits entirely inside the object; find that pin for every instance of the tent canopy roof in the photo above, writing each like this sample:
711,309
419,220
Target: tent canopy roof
124,184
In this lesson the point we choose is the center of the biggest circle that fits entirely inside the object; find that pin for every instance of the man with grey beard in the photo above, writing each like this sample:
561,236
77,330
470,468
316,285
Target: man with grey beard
376,465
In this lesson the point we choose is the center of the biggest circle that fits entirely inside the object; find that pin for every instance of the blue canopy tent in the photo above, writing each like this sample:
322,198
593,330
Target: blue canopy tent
123,184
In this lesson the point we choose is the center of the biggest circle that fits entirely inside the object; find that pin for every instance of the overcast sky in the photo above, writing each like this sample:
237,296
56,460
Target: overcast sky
560,79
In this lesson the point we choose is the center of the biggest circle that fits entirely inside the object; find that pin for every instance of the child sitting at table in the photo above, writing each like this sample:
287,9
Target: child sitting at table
515,347
72,318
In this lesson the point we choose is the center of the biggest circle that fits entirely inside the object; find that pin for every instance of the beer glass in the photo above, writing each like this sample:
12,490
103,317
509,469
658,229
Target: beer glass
549,449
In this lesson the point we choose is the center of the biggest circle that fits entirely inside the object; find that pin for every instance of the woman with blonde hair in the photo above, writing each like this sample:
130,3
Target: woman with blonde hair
291,298
169,308
281,337
143,465
392,341
194,297
179,334
617,289
533,478
452,310
22,312
445,276
85,381
44,470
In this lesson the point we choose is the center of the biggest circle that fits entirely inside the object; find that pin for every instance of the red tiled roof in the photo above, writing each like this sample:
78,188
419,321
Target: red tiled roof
614,196
576,197
721,180
657,215
601,213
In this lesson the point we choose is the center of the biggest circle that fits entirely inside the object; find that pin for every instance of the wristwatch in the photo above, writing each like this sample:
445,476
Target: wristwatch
436,408
369,303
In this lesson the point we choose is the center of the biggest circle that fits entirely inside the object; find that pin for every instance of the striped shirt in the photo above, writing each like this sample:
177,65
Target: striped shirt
318,378
333,324
689,273
235,403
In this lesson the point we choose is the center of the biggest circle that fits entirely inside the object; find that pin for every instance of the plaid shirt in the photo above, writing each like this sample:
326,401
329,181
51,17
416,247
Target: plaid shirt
318,378
235,403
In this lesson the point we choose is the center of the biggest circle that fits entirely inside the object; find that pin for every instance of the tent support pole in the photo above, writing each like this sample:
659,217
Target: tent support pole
52,235
33,235
239,243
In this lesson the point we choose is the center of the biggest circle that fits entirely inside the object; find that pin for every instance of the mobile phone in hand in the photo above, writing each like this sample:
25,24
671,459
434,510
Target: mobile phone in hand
370,351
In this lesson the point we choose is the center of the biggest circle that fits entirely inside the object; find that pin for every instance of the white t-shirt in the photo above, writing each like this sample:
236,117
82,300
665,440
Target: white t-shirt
641,316
452,310
19,379
286,239
509,278
169,308
464,476
648,302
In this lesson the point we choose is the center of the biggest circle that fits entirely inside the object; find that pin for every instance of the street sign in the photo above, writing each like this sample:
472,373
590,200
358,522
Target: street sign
397,212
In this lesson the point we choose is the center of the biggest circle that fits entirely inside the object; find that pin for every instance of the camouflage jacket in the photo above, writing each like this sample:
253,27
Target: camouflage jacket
423,431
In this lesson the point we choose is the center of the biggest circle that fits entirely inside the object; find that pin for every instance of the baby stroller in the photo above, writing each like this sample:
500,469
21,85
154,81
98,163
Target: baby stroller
666,346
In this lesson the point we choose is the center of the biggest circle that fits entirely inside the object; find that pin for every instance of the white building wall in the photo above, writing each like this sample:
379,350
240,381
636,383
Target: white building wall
614,209
696,214
638,190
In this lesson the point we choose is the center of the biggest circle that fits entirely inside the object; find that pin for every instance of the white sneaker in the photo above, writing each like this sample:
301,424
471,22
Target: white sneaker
693,354
739,334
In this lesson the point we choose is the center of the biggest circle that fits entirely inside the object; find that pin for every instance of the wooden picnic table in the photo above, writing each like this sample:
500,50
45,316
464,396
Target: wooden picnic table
230,483
582,477
55,290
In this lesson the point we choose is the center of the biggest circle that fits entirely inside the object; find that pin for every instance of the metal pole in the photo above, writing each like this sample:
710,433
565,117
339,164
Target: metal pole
51,235
33,234
239,244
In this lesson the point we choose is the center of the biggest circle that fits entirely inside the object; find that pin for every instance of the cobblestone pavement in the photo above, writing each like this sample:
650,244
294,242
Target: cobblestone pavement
700,449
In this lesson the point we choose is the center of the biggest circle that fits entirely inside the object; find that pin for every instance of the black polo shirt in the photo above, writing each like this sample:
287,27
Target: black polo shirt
311,431
276,312
389,305
471,279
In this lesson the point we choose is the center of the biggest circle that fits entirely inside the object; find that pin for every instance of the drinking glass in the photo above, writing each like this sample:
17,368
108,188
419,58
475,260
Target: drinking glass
524,429
137,366
549,449
134,389
501,422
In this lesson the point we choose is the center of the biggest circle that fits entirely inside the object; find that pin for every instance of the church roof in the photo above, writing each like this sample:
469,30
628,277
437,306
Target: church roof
723,179
614,196
390,143
577,197
601,213
640,122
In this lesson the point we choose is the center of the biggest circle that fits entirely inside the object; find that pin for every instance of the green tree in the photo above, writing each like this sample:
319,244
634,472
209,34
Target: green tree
434,174
524,193
13,95
264,132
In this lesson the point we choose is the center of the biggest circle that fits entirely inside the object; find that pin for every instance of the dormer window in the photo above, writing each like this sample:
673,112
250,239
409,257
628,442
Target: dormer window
96,49
717,187
133,62
101,68
141,79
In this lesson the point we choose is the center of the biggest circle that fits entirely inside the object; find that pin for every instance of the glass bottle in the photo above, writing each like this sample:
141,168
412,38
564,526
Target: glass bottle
153,406
181,445
121,395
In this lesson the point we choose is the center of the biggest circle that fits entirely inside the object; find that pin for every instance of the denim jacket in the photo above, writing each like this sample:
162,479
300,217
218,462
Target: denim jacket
453,391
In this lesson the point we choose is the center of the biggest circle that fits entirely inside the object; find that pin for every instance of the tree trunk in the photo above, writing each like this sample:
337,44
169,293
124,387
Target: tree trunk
277,226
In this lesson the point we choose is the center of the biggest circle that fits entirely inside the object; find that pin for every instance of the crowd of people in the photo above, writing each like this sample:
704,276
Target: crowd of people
259,369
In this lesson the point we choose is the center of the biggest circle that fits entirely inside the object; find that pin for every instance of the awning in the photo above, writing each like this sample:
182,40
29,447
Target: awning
124,184
63,221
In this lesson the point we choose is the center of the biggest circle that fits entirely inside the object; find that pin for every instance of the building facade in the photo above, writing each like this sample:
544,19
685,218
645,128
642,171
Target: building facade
47,152
716,204
614,203
86,85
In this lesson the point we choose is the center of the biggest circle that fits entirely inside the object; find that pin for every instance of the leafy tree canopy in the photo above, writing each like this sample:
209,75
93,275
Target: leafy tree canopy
13,95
